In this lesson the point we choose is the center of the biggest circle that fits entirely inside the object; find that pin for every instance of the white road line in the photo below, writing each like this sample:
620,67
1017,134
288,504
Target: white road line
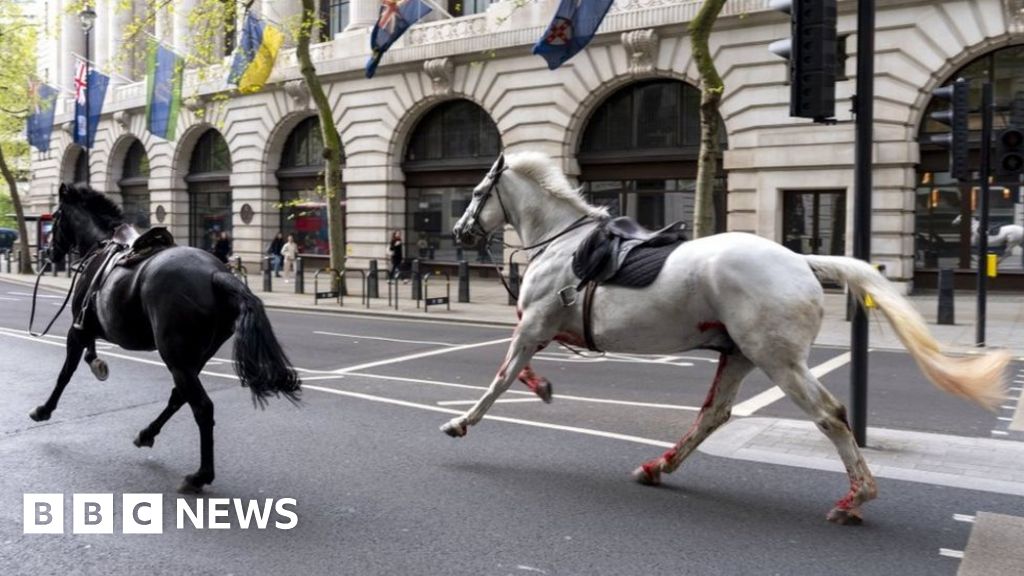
585,431
964,518
500,401
1008,407
752,405
1004,418
1000,433
557,395
361,337
406,358
951,553
573,359
10,299
29,295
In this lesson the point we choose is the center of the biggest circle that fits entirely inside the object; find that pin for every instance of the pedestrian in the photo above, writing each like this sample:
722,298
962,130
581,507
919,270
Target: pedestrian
274,252
290,251
395,248
222,249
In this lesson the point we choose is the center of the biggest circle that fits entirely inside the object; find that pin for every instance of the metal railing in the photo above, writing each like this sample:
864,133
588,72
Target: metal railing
335,291
445,300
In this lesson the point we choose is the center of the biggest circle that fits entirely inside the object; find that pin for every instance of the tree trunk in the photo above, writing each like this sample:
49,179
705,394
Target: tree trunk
712,88
332,140
25,263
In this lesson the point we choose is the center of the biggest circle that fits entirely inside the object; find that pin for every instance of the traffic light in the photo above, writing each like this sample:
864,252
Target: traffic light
957,94
1010,155
811,51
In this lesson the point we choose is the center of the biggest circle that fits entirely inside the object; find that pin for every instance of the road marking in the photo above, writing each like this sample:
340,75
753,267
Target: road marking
1000,433
499,401
521,422
360,337
964,518
334,315
959,554
625,359
1018,416
428,354
26,294
10,299
1004,418
774,394
557,396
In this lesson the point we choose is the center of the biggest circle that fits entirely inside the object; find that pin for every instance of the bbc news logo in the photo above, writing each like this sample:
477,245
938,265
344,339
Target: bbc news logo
144,514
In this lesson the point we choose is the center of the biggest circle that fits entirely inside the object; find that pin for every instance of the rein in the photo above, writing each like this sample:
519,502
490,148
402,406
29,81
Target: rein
82,263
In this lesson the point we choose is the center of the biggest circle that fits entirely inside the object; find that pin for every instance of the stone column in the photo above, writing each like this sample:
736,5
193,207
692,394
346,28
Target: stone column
72,42
119,55
182,31
362,14
165,26
99,37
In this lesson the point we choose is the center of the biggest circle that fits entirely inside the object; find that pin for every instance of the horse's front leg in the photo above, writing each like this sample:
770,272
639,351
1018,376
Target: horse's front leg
519,353
99,368
75,347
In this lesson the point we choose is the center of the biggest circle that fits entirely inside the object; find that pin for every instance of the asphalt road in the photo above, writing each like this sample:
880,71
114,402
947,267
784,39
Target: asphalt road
380,490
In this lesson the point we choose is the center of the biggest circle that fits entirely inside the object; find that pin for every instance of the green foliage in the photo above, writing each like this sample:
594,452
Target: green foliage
6,207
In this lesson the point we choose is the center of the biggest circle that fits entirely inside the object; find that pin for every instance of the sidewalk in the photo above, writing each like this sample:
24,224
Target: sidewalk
489,305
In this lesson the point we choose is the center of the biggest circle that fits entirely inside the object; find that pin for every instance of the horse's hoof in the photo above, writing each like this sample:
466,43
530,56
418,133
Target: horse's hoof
40,414
545,390
99,369
454,429
143,440
648,475
848,517
192,484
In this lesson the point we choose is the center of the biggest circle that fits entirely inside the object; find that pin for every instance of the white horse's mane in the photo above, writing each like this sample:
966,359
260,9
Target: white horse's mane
543,170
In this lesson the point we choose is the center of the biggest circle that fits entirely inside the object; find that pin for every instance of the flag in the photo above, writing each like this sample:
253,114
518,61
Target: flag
254,58
396,16
93,83
572,28
43,99
164,75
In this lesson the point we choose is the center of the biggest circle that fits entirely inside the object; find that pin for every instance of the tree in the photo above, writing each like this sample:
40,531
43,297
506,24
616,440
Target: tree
712,87
17,65
332,140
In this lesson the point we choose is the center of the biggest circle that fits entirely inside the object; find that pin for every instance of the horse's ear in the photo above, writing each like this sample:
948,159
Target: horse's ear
62,193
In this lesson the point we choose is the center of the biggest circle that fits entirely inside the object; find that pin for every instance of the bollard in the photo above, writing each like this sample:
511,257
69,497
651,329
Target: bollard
417,280
459,254
300,278
372,284
946,309
513,283
268,274
7,257
463,281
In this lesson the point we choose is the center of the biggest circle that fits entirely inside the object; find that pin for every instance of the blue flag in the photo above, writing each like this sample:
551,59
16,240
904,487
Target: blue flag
164,74
96,86
40,121
255,55
396,16
572,28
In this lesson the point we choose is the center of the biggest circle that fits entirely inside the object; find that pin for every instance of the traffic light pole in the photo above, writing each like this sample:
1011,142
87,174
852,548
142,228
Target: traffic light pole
987,105
865,113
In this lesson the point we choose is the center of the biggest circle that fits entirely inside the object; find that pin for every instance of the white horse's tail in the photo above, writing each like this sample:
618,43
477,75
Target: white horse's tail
980,379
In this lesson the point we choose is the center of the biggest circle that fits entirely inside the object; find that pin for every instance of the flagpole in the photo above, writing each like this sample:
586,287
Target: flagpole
108,73
177,51
437,8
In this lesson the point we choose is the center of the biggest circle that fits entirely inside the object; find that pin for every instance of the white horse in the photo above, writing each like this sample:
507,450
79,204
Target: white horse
1008,235
758,303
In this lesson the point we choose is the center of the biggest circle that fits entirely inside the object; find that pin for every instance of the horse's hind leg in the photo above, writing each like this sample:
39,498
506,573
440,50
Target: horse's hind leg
540,385
732,368
202,409
830,416
146,436
74,354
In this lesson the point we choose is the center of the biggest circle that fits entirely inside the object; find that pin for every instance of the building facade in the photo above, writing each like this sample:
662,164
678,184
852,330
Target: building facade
621,118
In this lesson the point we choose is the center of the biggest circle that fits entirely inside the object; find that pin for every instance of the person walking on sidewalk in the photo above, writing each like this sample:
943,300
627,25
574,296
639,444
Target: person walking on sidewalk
395,248
222,249
290,251
274,251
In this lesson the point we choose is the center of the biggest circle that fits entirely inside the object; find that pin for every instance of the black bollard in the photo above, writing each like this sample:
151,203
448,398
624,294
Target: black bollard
268,274
459,254
417,280
463,281
372,284
946,307
300,278
513,283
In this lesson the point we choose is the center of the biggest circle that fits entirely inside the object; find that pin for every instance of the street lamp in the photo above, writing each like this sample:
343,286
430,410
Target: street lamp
88,17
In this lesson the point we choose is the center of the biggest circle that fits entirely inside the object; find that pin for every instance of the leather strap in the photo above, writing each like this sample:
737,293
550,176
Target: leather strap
588,312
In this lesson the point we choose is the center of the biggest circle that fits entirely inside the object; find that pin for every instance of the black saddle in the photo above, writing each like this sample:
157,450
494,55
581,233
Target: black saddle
623,253
149,243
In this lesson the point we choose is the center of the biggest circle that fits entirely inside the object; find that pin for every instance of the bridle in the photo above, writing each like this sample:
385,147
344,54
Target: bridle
476,230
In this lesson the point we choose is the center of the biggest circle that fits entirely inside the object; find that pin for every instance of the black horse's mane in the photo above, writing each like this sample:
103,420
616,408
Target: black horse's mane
94,203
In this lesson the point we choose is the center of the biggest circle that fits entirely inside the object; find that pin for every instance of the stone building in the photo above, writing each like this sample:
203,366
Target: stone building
621,119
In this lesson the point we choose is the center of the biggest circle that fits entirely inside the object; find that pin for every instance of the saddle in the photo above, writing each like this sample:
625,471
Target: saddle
143,247
620,252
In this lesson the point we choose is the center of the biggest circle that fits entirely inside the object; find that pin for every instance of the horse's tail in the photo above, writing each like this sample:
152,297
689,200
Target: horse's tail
980,379
260,363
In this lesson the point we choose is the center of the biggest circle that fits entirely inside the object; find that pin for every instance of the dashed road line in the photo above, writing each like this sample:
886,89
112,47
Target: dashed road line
499,401
949,553
750,406
968,518
448,350
400,341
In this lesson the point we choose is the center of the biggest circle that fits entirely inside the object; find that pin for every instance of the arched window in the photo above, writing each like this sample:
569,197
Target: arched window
940,199
300,179
209,190
638,155
134,184
448,154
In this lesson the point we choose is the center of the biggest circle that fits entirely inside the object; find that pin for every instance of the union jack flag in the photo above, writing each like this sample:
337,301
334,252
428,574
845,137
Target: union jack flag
396,16
389,14
81,82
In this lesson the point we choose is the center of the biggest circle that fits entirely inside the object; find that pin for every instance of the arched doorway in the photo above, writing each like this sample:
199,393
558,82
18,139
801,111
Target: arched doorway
448,154
209,190
78,172
300,179
134,185
639,151
938,243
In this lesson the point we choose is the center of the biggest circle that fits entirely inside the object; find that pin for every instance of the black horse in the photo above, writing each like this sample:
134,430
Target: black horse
180,301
